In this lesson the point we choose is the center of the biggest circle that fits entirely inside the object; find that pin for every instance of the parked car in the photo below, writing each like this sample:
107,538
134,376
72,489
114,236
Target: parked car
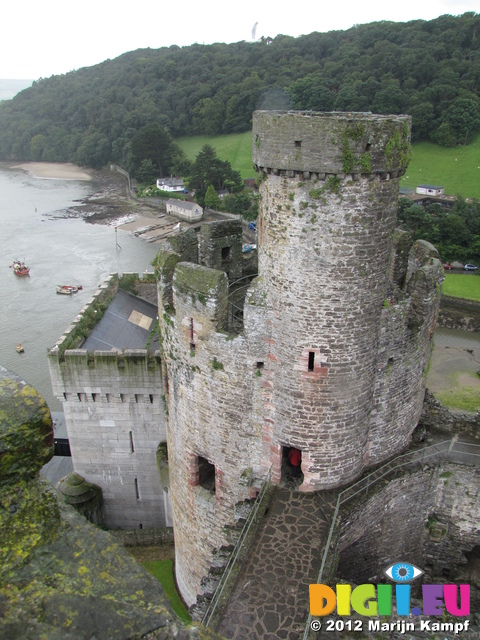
447,266
470,267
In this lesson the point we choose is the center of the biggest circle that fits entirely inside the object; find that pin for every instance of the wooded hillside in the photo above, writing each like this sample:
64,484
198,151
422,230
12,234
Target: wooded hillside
429,69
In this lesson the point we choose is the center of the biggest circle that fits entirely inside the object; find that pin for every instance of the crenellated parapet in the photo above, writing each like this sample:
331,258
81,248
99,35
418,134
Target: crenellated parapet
316,145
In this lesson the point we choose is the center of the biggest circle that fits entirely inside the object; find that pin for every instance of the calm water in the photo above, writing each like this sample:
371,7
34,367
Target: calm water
58,251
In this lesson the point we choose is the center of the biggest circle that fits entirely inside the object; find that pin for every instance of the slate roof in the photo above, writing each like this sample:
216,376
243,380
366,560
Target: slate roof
126,324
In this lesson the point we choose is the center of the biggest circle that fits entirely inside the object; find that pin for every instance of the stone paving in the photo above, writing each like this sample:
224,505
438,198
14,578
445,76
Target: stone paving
270,599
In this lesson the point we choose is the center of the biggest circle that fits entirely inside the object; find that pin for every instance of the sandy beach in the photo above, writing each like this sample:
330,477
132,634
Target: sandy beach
55,170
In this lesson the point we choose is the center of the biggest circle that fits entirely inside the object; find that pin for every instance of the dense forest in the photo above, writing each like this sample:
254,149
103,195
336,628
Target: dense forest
429,69
455,233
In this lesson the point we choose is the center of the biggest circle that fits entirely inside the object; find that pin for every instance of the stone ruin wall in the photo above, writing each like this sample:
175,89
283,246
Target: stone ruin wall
427,517
405,346
212,397
115,418
327,264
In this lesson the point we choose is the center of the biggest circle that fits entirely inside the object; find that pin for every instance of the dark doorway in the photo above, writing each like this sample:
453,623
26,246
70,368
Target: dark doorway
292,475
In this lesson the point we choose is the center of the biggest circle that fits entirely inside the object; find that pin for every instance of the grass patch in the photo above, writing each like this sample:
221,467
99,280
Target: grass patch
465,399
462,285
235,147
462,392
163,572
456,169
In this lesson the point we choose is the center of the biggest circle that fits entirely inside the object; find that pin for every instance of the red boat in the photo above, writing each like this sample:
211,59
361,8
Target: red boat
20,268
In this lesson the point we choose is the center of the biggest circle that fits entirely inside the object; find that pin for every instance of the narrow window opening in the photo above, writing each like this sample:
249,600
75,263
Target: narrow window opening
311,360
94,397
140,526
298,143
108,397
192,334
206,474
150,397
138,397
260,365
226,251
136,489
123,397
132,448
64,395
82,397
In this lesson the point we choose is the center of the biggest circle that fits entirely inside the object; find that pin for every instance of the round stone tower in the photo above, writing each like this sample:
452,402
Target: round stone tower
328,202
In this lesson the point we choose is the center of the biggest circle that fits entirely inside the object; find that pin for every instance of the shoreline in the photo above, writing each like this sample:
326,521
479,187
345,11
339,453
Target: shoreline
54,170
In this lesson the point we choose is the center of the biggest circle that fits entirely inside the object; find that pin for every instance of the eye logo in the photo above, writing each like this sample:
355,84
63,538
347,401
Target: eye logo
402,572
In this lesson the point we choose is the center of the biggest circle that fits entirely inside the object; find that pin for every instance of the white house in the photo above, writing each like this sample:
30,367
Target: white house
171,184
189,211
430,190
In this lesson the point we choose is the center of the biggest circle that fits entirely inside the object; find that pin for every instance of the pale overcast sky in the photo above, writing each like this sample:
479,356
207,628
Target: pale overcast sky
40,39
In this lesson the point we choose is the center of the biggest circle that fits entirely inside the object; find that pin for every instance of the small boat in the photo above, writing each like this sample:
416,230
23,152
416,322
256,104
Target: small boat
68,289
19,348
20,268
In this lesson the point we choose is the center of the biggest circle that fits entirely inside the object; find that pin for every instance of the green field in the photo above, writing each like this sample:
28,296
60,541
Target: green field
163,572
462,286
236,148
456,169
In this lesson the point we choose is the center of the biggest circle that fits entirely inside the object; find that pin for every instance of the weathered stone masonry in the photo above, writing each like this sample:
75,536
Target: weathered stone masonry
336,335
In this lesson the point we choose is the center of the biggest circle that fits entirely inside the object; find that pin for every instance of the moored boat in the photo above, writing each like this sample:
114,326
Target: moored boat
20,268
68,289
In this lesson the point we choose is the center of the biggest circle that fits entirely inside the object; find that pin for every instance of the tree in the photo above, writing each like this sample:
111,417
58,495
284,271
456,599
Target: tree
153,142
463,117
423,120
146,172
94,151
208,169
444,136
37,145
212,201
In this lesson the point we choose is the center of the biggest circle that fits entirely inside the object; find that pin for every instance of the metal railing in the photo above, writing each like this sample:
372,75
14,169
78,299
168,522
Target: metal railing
238,292
449,449
235,555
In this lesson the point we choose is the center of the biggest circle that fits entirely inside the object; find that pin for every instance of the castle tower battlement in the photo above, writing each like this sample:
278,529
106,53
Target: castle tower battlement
323,144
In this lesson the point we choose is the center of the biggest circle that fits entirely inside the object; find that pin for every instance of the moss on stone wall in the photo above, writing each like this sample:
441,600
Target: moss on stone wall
195,278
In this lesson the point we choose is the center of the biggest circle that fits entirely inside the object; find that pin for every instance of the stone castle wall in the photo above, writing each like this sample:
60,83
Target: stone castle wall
340,313
213,392
427,517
